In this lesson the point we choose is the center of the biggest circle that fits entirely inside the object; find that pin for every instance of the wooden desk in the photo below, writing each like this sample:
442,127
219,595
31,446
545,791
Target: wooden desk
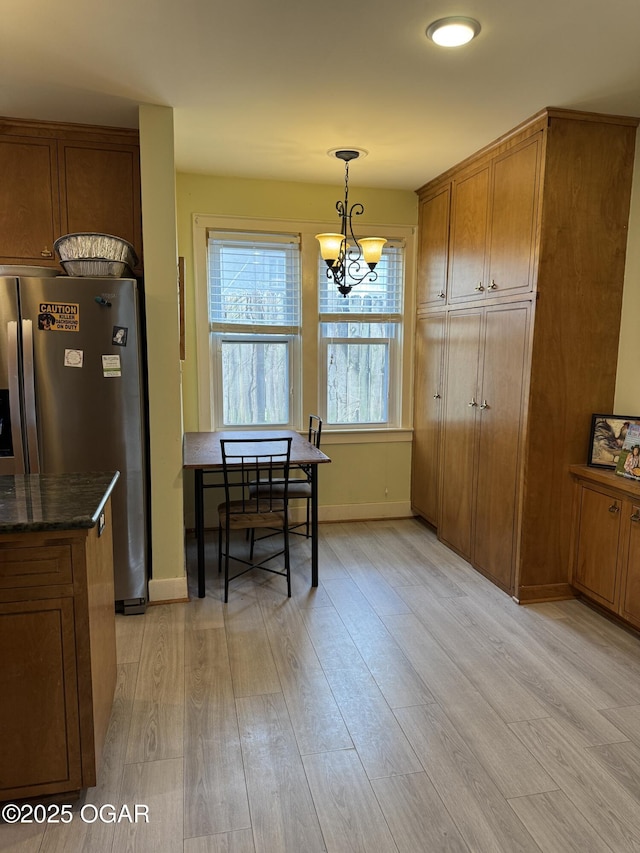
201,452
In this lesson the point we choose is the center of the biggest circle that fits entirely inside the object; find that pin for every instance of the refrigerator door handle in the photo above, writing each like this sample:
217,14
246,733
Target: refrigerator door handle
30,397
14,395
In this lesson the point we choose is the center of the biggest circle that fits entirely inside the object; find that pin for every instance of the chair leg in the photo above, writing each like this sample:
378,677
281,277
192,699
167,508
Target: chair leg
226,564
226,578
308,516
253,542
287,563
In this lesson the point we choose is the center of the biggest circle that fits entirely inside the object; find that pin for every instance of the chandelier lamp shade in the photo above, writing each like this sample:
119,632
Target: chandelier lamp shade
349,260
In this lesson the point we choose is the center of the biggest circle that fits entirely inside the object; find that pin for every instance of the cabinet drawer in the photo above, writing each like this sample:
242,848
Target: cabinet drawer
41,566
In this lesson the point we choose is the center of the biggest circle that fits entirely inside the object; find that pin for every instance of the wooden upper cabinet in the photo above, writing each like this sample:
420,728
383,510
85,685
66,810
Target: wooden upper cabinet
29,210
100,190
513,219
433,249
59,179
494,220
468,236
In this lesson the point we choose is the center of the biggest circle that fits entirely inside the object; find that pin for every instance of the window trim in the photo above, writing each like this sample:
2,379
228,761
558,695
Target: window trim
395,360
306,382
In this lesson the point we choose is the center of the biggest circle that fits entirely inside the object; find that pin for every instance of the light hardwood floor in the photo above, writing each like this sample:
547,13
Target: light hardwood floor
405,705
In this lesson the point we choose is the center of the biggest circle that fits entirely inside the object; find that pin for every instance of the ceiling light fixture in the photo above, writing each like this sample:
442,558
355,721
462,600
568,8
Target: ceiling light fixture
453,32
343,252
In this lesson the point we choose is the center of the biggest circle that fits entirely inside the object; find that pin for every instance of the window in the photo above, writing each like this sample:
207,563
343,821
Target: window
254,317
276,341
360,346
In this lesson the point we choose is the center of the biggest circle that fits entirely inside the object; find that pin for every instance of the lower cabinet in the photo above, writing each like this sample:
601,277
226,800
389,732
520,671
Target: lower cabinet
57,641
425,470
483,410
40,725
605,556
630,591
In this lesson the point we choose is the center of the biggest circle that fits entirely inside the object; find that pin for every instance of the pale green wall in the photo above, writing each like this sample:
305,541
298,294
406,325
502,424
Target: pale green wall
165,400
627,400
365,479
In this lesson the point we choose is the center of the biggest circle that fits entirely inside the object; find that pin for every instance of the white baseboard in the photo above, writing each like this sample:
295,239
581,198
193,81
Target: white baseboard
365,512
168,589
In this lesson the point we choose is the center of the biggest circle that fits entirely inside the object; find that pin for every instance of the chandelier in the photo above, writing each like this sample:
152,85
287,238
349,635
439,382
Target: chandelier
345,255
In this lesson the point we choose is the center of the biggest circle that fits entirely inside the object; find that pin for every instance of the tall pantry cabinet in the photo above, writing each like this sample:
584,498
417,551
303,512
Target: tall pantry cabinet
520,269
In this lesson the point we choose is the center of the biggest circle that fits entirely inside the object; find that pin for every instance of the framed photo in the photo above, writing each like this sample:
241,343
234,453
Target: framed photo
608,433
628,464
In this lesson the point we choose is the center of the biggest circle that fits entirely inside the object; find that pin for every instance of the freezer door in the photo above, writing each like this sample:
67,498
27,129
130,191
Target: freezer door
11,422
89,399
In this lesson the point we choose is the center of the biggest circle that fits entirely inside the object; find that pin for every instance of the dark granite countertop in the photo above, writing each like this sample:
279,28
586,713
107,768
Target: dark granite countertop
35,502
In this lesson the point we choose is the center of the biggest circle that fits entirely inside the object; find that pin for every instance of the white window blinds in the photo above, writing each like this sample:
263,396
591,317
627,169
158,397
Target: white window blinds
380,297
254,280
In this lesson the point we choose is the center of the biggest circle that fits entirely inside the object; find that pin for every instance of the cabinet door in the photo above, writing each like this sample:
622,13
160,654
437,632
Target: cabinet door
40,744
100,190
513,220
427,413
29,212
596,555
433,249
457,477
630,603
500,418
468,236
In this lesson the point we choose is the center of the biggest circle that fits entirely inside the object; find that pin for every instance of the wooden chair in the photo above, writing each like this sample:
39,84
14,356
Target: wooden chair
299,485
245,462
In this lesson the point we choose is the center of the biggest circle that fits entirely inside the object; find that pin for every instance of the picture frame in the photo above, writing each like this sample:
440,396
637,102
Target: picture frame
607,436
628,464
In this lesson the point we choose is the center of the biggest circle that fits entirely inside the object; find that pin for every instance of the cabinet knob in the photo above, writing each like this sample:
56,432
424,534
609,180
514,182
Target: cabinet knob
436,396
636,515
484,405
442,294
479,286
493,285
473,402
614,508
46,253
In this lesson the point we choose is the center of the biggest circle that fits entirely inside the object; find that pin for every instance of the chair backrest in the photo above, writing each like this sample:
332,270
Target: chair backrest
246,462
315,430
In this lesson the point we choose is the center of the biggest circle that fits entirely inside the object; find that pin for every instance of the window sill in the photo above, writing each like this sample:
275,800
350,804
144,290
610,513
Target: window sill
366,436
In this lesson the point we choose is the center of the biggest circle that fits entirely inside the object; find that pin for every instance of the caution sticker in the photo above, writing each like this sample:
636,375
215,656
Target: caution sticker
59,317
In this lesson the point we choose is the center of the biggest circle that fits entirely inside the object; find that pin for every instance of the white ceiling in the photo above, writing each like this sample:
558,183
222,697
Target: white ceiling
263,88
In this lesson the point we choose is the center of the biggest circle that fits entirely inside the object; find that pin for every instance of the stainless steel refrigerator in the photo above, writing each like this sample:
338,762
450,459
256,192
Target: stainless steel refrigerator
73,399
